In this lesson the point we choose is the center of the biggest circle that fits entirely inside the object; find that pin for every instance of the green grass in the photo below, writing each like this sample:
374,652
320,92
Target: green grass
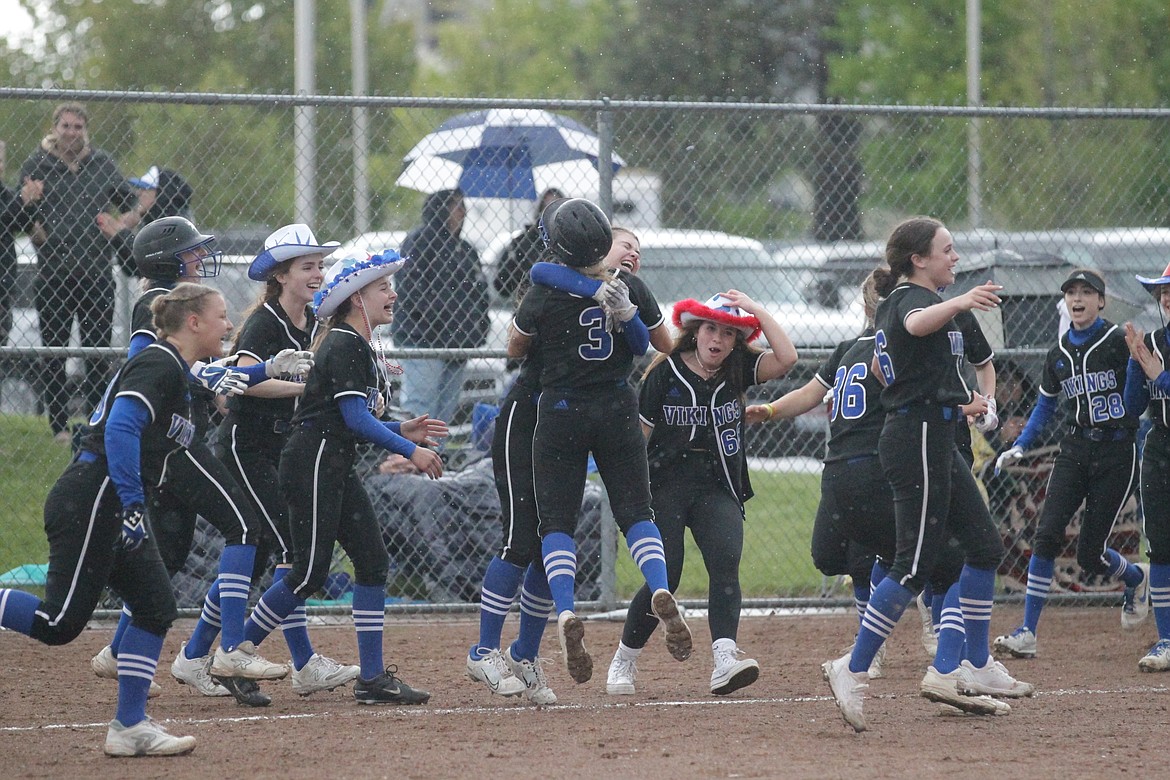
777,536
30,462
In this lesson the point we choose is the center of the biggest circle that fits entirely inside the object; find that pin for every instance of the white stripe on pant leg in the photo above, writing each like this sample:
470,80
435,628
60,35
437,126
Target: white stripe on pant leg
256,498
1124,501
313,538
508,475
925,503
93,510
227,497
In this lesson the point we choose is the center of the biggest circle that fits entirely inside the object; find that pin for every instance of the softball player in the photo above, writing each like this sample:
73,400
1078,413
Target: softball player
918,355
168,251
95,514
587,405
257,424
1096,464
1147,385
691,411
346,392
857,504
519,670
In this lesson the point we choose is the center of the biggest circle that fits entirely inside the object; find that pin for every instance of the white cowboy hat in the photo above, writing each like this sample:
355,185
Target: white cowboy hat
285,243
350,274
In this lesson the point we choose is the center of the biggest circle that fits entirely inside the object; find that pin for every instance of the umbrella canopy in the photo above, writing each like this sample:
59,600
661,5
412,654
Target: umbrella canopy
505,153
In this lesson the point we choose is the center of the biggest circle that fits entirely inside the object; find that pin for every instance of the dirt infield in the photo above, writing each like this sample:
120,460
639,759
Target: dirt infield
1094,714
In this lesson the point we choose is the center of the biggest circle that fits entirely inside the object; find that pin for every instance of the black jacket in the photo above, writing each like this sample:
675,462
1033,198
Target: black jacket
442,295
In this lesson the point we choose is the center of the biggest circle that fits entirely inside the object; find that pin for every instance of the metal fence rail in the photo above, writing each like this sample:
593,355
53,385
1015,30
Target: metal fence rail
789,202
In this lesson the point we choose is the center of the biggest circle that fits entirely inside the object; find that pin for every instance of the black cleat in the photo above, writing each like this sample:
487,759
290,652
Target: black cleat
387,688
246,692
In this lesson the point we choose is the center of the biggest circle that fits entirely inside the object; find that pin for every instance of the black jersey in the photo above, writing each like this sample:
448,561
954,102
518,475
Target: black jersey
156,376
575,351
855,419
1091,376
690,416
918,369
344,365
203,405
1159,402
267,331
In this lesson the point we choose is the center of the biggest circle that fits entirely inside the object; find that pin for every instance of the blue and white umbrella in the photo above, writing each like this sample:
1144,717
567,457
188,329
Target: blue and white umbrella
505,153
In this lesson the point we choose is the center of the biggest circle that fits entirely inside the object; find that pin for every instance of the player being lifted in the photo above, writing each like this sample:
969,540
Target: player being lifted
587,405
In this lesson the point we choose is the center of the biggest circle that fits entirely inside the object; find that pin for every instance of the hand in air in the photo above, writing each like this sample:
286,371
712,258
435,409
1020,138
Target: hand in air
424,430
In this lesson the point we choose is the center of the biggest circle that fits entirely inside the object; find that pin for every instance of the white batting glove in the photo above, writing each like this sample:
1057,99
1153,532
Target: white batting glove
989,420
290,362
617,300
1008,457
219,377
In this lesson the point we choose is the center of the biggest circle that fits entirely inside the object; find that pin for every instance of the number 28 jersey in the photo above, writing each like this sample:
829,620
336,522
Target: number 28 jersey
1091,376
574,349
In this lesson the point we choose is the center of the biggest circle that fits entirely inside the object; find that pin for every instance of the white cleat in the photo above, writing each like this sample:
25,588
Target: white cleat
993,680
929,636
947,689
145,738
1020,643
731,672
246,663
571,632
678,633
105,666
322,674
848,690
531,673
492,671
194,672
623,673
1158,659
877,665
1135,606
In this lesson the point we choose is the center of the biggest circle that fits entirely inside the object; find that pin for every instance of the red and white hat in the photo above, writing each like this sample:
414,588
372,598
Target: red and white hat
717,309
1152,285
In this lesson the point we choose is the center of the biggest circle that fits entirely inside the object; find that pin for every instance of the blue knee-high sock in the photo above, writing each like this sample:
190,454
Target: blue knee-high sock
1119,567
878,572
295,626
886,604
500,583
17,609
951,634
560,563
1160,597
645,545
976,595
936,610
235,580
861,600
369,620
277,603
1039,584
207,627
137,662
536,605
120,631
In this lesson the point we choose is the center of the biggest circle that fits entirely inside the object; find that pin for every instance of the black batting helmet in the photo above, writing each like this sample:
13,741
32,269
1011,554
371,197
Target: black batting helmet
158,245
579,234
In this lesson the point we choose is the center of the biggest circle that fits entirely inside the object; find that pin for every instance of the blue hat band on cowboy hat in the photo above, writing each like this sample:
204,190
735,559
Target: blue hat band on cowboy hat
1152,285
717,309
349,275
286,243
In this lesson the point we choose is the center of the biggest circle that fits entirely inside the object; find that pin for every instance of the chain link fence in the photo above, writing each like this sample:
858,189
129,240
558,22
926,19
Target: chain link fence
788,203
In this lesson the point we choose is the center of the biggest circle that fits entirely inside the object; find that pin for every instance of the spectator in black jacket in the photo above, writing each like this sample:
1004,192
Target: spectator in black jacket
17,208
442,303
74,278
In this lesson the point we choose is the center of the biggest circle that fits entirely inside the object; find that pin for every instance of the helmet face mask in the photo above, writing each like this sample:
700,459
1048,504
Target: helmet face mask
579,234
158,250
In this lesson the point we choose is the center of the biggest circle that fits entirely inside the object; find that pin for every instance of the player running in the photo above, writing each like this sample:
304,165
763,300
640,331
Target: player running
918,356
346,393
691,410
1096,465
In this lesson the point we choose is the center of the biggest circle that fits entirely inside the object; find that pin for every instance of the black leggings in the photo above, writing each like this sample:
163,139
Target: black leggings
81,521
1156,493
715,518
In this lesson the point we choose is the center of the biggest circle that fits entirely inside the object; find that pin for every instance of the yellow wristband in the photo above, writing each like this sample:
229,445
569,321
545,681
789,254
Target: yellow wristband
771,411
